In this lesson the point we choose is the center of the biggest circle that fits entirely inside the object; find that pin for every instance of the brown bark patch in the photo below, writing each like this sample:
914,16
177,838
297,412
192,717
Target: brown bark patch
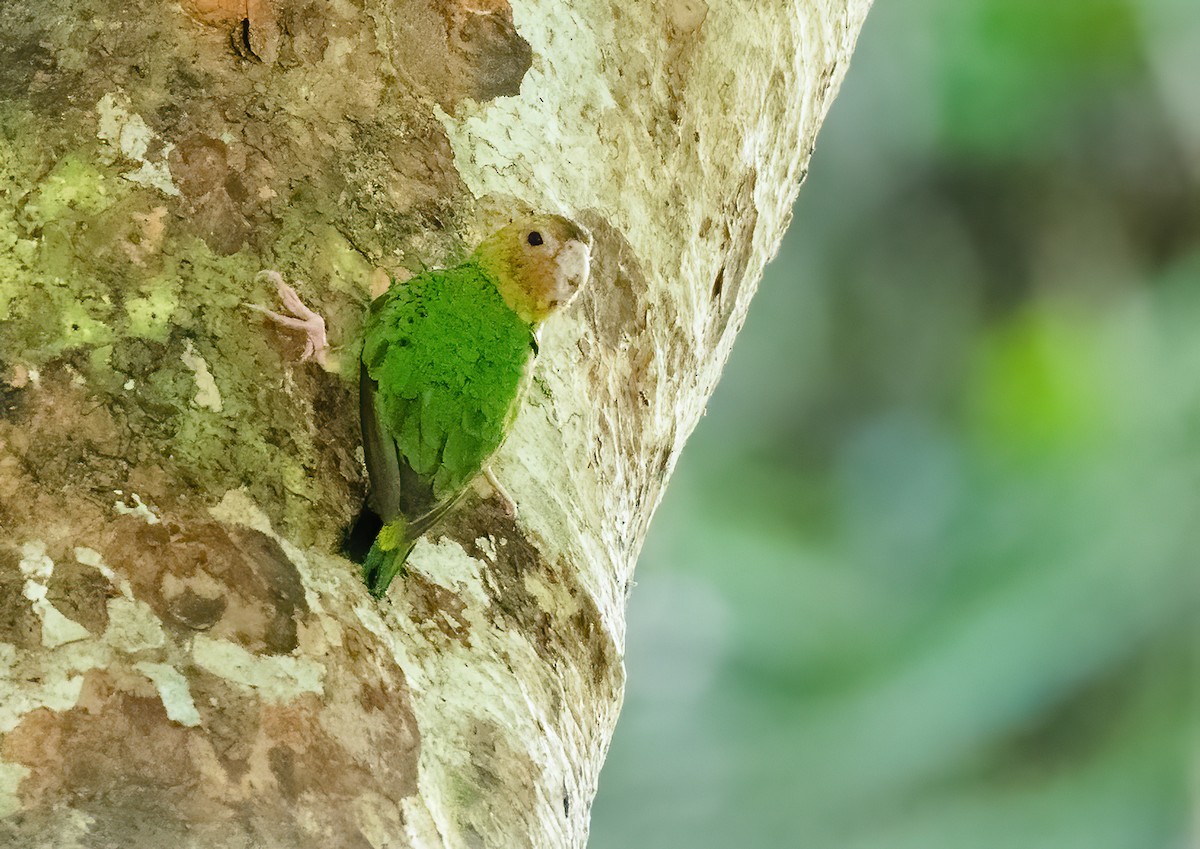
422,165
245,770
198,575
19,625
230,718
251,24
737,220
493,761
213,193
115,745
614,302
67,435
13,381
437,610
25,57
579,639
454,49
303,758
81,593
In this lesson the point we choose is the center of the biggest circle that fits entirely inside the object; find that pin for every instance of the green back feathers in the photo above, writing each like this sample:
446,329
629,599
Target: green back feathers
449,358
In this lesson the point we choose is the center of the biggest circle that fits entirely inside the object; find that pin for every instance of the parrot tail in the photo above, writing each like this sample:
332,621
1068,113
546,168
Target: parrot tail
387,556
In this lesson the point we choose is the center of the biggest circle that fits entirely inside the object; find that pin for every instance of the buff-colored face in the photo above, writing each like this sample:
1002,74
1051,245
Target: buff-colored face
542,262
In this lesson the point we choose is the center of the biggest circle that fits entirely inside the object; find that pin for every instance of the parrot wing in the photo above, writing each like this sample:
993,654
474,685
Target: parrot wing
396,488
388,414
383,462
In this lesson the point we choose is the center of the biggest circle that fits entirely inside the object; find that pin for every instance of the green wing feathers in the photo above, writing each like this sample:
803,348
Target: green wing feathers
444,364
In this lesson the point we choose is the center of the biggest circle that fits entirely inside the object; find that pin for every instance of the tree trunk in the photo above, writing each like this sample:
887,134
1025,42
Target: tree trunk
186,658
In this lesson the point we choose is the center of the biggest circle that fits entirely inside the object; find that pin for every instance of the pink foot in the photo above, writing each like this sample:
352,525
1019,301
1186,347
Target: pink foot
316,344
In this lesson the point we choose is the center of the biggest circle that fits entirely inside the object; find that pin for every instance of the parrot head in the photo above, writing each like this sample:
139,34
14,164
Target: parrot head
540,262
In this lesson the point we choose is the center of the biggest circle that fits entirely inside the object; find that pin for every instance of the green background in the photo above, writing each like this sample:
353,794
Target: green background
925,576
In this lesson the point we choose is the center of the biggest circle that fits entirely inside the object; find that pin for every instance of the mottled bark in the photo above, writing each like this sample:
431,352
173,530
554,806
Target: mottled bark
186,659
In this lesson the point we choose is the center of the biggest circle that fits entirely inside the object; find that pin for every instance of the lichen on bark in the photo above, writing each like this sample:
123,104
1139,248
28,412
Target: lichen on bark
186,655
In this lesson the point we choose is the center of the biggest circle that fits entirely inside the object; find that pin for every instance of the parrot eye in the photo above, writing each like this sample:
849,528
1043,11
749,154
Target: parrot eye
535,238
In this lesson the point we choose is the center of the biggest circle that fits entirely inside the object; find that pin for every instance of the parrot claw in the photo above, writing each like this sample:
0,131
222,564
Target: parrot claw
316,343
510,506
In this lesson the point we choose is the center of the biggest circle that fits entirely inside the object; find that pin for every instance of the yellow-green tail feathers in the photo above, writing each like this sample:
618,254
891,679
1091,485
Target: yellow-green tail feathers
387,556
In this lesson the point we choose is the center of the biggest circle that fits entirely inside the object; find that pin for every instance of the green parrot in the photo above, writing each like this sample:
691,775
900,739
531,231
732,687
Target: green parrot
446,359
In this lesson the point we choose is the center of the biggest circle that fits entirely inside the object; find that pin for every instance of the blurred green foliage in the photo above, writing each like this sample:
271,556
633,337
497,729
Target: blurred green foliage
925,576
